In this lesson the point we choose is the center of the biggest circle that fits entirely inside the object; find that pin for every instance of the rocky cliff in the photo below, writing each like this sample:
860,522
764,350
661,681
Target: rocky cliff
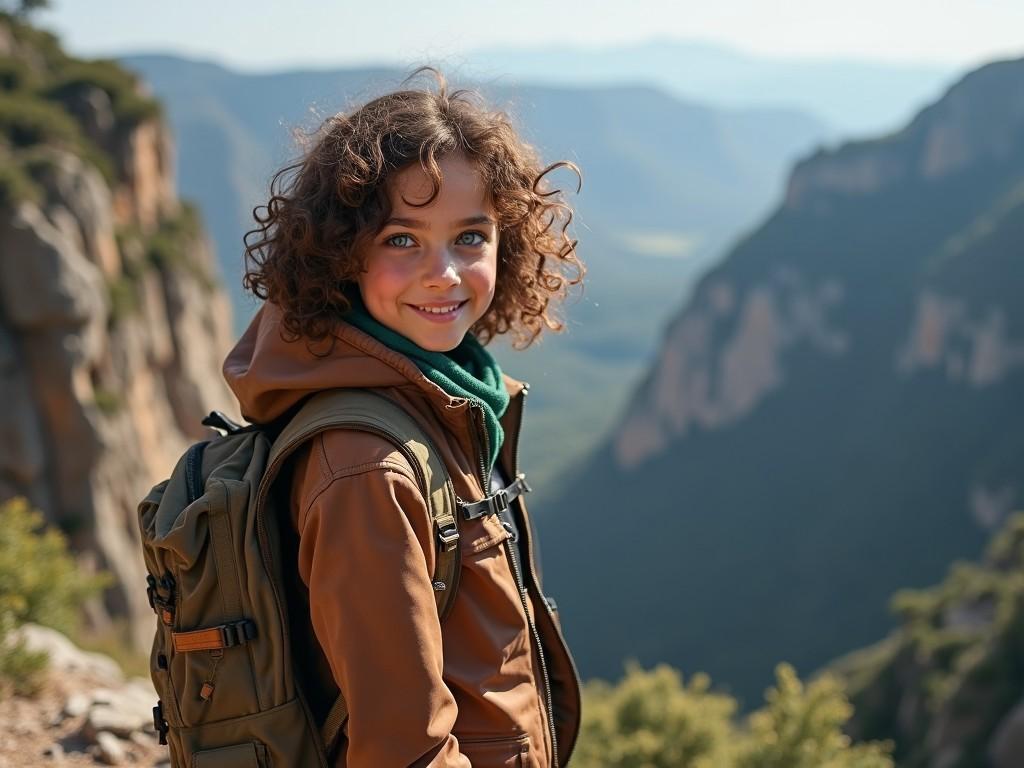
946,686
112,323
838,412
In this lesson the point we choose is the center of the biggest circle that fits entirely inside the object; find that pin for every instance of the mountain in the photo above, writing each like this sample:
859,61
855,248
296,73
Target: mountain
112,322
854,97
667,183
837,412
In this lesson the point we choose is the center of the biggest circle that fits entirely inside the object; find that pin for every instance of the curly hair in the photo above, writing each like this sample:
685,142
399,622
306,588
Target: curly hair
327,205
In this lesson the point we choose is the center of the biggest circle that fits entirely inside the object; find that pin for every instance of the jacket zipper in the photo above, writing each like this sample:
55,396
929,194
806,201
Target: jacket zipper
520,582
536,582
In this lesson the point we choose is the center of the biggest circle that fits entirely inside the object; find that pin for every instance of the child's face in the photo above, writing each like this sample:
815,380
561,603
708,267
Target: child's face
439,256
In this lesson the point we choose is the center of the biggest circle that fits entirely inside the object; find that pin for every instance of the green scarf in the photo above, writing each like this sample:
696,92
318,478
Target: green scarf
468,371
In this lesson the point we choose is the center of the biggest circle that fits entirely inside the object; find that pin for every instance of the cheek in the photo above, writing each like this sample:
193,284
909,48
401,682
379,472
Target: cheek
483,275
383,280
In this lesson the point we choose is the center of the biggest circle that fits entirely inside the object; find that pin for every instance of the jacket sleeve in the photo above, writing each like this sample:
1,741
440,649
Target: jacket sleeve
366,554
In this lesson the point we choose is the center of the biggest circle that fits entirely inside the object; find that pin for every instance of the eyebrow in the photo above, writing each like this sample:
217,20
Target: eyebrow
418,224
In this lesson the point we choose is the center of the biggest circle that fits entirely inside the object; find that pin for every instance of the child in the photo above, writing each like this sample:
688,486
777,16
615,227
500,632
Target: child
415,230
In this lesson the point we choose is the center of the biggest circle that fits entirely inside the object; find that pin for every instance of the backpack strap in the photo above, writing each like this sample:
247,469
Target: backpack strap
368,411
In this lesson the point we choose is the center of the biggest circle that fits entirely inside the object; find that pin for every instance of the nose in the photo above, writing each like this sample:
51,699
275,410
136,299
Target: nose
442,270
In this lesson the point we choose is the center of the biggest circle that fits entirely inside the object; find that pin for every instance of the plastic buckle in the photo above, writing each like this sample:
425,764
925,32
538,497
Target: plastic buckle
151,591
159,724
238,633
449,535
499,501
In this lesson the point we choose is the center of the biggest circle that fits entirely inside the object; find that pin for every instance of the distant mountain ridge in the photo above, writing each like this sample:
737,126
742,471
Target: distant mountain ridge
854,97
836,413
667,184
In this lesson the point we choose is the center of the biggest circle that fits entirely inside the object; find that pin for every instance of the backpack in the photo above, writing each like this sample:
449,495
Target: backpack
212,539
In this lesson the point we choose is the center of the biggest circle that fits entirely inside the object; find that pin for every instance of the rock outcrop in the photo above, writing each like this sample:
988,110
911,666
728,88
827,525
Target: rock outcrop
112,324
835,414
86,713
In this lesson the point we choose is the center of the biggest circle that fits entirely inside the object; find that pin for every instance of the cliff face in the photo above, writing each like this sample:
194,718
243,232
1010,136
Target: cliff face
946,685
836,413
112,325
724,353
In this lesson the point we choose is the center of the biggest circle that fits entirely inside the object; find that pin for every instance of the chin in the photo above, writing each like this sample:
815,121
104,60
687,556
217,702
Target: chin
439,346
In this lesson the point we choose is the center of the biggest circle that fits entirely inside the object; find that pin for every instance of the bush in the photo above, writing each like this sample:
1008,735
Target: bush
653,720
16,75
171,247
120,85
39,582
15,184
26,120
802,728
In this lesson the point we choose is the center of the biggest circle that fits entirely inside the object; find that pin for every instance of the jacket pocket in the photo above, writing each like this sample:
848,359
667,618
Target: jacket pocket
504,751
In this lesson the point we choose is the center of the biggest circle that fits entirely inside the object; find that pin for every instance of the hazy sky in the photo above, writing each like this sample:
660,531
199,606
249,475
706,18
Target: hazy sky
270,35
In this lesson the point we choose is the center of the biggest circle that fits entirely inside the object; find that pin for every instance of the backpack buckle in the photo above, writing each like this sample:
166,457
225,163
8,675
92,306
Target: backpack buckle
238,632
151,590
159,724
499,501
449,535
162,606
218,421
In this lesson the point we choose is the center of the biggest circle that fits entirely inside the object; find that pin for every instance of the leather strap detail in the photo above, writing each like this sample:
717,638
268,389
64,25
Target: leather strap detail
371,411
498,501
214,638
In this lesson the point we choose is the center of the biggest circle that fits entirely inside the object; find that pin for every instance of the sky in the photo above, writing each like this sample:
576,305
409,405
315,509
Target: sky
253,37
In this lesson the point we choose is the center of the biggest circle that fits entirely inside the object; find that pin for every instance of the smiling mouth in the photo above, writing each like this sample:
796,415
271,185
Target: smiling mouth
440,311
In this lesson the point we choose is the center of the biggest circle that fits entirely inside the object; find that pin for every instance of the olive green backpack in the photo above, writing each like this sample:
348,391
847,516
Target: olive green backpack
213,539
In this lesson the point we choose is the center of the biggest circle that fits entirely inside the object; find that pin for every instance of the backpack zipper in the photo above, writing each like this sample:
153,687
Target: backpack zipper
520,583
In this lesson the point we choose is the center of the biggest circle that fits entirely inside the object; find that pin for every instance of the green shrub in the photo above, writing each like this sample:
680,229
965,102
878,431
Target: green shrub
124,298
801,727
16,184
120,85
44,43
26,120
39,582
171,247
654,720
16,75
108,401
651,719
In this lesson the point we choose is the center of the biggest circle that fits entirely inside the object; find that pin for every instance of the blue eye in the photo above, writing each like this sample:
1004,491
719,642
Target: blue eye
391,240
481,241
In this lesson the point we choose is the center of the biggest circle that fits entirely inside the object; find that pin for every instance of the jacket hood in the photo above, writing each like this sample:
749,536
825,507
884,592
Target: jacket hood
269,375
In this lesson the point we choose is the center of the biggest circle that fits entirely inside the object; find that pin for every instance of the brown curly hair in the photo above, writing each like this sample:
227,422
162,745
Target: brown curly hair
310,237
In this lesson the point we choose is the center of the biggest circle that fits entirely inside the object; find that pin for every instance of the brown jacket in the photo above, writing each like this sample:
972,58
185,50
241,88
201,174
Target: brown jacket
483,688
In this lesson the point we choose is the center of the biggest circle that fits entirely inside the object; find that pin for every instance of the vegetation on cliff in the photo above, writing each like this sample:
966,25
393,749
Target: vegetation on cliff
48,98
945,681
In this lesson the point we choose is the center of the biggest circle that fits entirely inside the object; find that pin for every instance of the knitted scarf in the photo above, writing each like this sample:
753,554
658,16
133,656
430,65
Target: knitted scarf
468,371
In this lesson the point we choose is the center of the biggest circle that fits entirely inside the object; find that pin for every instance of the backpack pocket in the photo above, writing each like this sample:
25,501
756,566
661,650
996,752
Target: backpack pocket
206,649
249,755
280,737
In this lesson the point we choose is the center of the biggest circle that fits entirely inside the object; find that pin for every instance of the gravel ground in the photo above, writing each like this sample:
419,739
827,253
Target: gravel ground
35,734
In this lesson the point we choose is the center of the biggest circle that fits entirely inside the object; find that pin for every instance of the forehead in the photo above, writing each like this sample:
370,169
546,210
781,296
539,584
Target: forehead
462,186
